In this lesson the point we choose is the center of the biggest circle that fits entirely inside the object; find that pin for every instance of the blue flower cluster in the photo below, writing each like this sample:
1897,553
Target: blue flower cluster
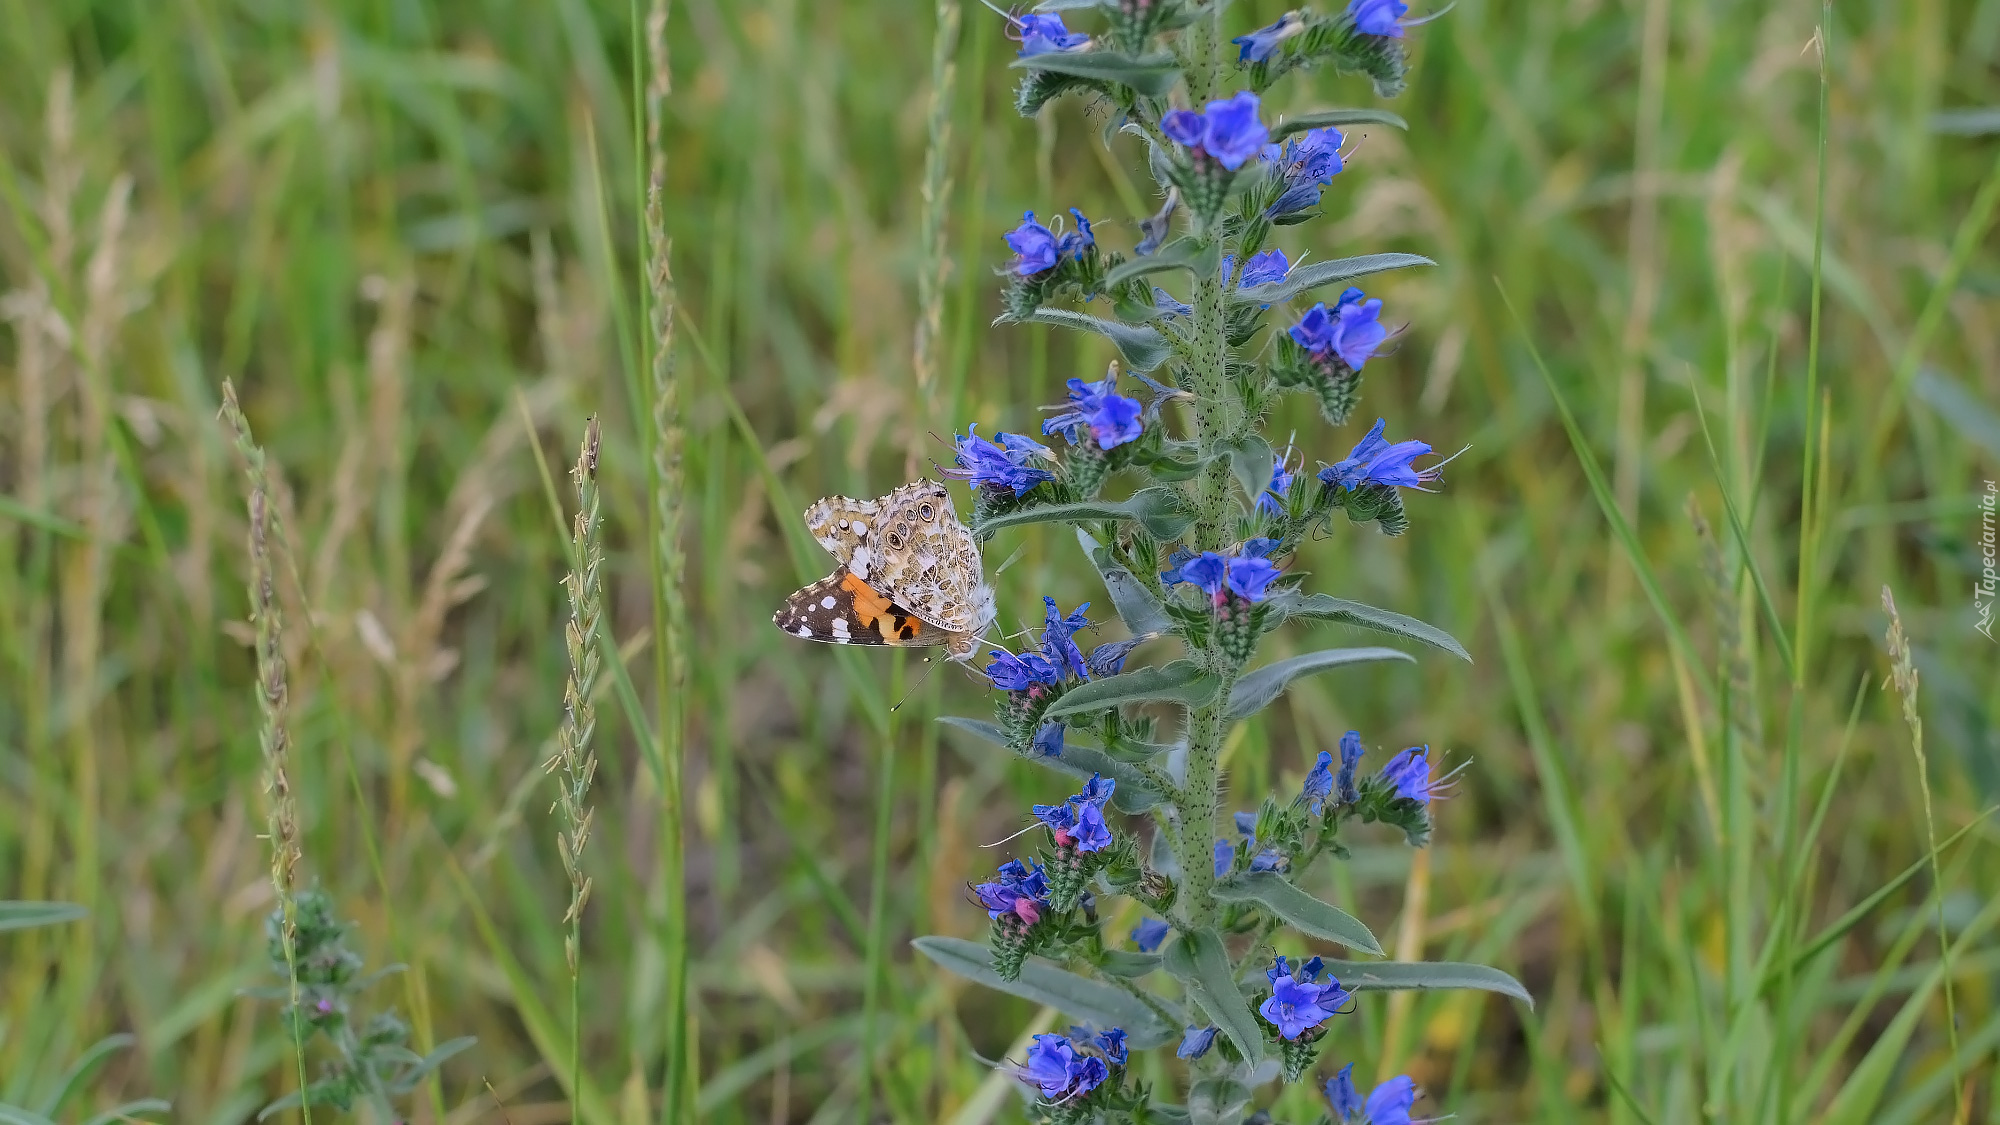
1378,17
1322,782
1261,269
1046,35
1352,330
1307,163
1299,1000
1149,933
1408,775
1037,249
1002,467
1262,43
1110,418
1247,574
1374,460
1079,821
1271,501
1021,891
1227,130
1387,1104
1065,1067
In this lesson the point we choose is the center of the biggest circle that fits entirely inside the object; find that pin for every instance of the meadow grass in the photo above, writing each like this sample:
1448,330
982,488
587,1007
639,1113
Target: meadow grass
1720,334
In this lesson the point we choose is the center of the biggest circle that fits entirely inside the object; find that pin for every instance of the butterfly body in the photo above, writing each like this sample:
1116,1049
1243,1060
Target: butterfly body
910,575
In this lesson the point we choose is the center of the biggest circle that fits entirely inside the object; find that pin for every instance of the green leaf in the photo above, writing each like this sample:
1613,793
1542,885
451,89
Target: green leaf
1072,5
1136,605
1151,75
1125,963
1199,961
1336,117
1217,1101
1142,348
1405,976
130,1110
1255,691
1182,681
1180,254
1133,795
15,1115
1090,1001
27,915
1323,607
1155,509
1250,459
80,1071
407,1081
1976,122
1960,408
1315,274
1302,911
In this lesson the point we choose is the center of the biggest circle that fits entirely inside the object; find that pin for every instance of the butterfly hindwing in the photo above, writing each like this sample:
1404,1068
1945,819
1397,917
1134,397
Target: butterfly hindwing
843,609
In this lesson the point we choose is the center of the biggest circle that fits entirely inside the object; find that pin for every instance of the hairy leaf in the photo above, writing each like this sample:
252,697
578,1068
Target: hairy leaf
1315,274
407,1081
1180,254
1255,691
1217,1101
1133,795
1090,1001
1336,117
1152,75
1250,459
1125,963
1305,913
1136,605
1199,961
1324,607
1403,976
1142,348
1155,509
1182,681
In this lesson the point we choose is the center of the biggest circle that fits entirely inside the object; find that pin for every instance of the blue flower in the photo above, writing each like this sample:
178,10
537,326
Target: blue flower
1176,563
1352,330
1049,739
1270,502
1058,633
1375,461
1225,857
982,463
1340,1093
1260,44
1249,577
1044,35
1246,823
1019,673
1055,1066
1207,571
1035,246
1261,268
1196,1042
1389,1103
1350,760
1074,243
1409,774
1112,1042
1164,301
1149,933
1308,163
1298,1002
1260,547
1378,17
1227,129
1108,659
1022,890
1111,418
1080,819
1270,859
1319,784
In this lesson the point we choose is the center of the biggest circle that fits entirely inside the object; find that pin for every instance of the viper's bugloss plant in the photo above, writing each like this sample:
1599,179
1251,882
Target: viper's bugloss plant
1198,554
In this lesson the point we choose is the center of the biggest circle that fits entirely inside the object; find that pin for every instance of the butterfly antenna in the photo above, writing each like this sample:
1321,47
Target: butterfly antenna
912,689
1015,836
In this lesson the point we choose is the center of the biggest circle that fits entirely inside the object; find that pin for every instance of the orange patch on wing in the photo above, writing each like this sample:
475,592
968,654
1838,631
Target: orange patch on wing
868,604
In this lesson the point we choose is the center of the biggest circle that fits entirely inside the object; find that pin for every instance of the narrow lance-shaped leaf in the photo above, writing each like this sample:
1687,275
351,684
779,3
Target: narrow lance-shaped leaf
1151,75
1088,1001
1152,508
1182,681
1135,603
1403,976
1302,911
1255,691
1180,254
1133,794
1251,459
1315,274
24,915
1199,961
1324,607
1143,349
1217,1101
1320,119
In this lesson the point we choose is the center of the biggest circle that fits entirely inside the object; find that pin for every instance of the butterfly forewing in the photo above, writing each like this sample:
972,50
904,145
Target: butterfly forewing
843,609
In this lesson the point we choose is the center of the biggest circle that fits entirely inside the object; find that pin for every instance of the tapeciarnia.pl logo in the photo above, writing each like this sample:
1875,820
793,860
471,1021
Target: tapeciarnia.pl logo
1985,588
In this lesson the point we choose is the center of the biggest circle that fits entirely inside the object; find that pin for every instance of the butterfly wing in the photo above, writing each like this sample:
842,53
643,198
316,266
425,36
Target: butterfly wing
844,610
840,524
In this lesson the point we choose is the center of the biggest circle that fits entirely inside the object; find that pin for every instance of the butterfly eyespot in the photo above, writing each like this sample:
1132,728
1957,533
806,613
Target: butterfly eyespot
928,512
903,531
896,538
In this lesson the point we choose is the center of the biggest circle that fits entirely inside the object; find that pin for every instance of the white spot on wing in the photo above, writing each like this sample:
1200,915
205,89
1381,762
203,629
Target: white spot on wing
840,629
828,603
804,631
860,562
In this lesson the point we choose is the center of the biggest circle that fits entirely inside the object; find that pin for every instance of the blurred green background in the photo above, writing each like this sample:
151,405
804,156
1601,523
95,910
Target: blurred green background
405,229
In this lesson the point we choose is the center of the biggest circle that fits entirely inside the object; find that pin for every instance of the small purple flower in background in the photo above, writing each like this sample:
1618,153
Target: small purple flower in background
1227,129
1054,1066
1340,1093
1111,418
1058,633
982,463
1270,502
1248,578
1073,243
1375,461
1261,268
1022,890
1225,857
1270,859
1049,739
1350,761
1164,301
1019,673
1108,659
1034,245
1045,35
1298,1002
1409,774
1319,784
1262,43
1378,17
1352,330
1387,1104
1246,824
1079,820
1149,933
1196,1042
1112,1042
1308,163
